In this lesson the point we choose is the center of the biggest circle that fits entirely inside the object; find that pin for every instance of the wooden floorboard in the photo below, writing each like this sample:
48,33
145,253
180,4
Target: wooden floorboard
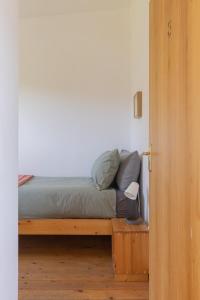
71,268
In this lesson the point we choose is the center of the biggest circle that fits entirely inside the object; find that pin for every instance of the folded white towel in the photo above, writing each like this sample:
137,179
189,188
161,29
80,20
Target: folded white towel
132,191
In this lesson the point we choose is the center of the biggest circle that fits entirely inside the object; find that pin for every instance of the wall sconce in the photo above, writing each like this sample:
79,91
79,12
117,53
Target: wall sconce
138,105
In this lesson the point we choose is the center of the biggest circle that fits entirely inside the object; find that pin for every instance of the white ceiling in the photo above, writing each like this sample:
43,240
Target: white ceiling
35,8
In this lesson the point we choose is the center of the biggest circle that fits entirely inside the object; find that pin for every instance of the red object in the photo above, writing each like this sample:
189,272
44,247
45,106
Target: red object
22,179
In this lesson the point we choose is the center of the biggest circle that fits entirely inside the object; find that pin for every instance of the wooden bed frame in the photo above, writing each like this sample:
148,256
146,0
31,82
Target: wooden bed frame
130,243
65,227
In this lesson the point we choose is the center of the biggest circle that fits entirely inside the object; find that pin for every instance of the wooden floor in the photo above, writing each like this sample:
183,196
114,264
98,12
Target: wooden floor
71,268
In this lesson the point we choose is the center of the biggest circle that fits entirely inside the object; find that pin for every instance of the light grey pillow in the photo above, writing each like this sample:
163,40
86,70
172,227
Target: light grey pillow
129,169
105,169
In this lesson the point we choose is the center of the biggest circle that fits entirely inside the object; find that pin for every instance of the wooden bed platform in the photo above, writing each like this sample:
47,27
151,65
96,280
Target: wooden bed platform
130,243
65,227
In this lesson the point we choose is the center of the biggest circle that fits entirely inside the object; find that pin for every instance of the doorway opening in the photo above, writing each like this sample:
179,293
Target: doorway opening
81,64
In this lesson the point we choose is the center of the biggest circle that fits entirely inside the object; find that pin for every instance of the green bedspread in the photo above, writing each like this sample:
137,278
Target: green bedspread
46,197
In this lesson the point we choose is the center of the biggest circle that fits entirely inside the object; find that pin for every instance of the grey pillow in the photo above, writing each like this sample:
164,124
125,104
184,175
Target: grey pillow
129,169
105,169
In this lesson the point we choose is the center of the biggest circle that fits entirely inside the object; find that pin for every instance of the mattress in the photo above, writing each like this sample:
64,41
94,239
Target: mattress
58,198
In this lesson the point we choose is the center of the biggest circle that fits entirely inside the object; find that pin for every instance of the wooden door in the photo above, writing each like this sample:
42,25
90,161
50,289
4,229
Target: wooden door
193,107
175,138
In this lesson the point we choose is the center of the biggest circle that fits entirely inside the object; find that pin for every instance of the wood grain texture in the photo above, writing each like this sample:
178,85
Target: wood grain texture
72,268
169,197
193,96
120,225
65,227
130,251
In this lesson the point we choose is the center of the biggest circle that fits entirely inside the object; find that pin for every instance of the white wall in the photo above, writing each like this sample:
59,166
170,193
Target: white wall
75,90
139,17
8,150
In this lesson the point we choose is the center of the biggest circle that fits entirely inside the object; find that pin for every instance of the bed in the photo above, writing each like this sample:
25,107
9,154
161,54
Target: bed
44,201
82,206
73,206
55,200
